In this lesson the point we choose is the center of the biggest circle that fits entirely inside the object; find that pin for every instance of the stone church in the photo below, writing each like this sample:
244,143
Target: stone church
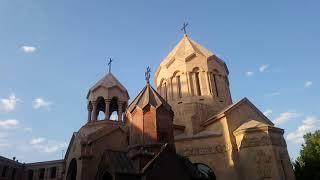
187,127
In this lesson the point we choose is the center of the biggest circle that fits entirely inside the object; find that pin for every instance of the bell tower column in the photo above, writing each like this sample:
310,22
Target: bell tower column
89,111
106,111
94,111
120,104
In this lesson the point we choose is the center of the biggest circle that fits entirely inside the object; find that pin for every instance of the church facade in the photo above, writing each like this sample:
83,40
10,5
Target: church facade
188,127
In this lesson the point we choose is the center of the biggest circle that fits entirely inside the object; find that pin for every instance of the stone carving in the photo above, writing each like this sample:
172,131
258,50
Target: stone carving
195,151
262,141
263,164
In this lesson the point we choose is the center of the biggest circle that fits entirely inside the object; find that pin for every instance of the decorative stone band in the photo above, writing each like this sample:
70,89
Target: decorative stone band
196,151
262,141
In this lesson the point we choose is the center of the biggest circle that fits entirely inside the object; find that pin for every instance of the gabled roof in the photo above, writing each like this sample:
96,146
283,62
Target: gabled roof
148,96
91,132
256,126
233,106
251,124
108,81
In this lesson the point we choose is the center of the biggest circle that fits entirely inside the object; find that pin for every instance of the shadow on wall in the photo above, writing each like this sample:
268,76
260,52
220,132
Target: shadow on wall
266,153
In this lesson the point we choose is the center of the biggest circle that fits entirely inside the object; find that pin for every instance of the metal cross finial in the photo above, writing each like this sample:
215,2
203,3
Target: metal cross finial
184,28
147,74
109,63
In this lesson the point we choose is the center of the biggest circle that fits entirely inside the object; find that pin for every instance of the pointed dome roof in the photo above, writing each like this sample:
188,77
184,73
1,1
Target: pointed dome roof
148,96
108,81
187,46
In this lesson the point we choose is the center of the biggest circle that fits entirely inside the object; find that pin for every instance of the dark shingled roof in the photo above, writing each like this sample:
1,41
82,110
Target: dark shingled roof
148,96
118,162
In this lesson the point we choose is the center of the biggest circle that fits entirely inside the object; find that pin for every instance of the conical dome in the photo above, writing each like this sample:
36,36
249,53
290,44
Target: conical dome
108,81
148,96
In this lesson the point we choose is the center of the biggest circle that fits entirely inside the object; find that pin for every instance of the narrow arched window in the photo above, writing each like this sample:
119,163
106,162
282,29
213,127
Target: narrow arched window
179,87
165,91
215,84
198,84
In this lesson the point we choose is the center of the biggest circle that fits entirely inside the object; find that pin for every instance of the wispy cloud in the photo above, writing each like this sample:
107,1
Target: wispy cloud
267,112
54,148
39,140
283,117
41,103
9,104
275,93
308,125
28,49
264,67
43,145
28,130
10,123
249,73
308,84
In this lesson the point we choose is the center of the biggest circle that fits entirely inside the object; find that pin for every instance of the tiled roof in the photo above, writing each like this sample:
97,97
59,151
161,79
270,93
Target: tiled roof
148,96
118,162
108,81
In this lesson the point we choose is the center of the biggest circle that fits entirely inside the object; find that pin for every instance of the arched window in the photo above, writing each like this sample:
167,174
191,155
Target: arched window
195,82
72,170
113,109
53,172
4,171
165,91
101,106
30,174
205,171
13,175
214,82
176,85
179,87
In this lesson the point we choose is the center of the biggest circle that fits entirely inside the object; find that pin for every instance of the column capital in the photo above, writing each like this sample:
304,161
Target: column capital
107,100
93,102
120,103
90,107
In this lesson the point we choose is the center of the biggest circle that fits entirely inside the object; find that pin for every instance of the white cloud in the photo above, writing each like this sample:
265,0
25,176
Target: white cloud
10,123
275,93
28,49
54,148
309,125
285,116
308,84
267,112
249,73
41,103
46,146
263,67
28,130
39,140
9,104
49,147
4,145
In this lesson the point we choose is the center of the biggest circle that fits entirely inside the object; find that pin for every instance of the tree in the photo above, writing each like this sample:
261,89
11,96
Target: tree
307,165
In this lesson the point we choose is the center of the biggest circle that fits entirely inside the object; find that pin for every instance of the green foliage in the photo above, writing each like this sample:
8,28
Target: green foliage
307,165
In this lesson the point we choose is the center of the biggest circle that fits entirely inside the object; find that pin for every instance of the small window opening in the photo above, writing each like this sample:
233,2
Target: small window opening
41,173
179,87
53,172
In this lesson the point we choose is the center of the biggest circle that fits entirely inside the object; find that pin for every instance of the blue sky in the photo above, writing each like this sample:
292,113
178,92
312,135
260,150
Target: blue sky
52,52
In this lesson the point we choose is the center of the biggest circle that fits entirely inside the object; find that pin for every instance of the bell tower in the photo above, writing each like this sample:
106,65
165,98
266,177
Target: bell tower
194,81
108,95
